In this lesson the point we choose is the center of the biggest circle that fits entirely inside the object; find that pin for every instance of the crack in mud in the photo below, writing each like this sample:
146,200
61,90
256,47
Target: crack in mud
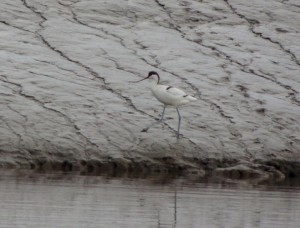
244,68
16,27
43,105
252,29
88,69
291,95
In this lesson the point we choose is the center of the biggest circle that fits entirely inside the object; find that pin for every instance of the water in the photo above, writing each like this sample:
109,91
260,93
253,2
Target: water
72,201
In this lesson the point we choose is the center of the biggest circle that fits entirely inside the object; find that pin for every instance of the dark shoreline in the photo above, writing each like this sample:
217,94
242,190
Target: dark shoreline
262,170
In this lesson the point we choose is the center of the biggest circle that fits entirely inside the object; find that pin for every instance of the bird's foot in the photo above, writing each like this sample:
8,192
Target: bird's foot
161,120
179,136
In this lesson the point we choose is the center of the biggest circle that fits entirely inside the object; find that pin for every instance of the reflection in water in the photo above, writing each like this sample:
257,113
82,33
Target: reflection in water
86,201
175,207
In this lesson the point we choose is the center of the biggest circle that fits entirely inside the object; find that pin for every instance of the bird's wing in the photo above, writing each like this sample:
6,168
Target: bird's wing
175,92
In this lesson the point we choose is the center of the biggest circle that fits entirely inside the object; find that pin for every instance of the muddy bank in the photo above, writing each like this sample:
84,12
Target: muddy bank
66,101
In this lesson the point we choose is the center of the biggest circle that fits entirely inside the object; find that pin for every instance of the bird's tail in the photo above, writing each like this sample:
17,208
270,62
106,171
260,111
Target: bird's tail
191,98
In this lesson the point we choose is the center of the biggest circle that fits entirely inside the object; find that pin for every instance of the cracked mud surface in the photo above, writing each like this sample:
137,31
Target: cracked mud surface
67,100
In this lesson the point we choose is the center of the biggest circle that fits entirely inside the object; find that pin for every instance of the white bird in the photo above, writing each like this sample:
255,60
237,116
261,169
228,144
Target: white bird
168,96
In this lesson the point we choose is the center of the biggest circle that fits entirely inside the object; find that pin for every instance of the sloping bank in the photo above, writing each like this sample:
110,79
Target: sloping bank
66,101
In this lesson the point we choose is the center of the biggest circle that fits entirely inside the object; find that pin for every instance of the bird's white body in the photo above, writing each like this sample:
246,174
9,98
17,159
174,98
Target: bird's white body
170,96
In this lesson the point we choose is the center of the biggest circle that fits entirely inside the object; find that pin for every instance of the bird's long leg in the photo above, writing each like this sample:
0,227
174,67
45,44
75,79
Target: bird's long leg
179,120
158,121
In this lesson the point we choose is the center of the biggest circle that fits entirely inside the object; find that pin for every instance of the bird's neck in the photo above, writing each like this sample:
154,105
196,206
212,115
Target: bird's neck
154,81
153,84
157,79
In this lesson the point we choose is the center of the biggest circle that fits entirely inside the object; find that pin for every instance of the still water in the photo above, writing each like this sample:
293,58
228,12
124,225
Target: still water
74,201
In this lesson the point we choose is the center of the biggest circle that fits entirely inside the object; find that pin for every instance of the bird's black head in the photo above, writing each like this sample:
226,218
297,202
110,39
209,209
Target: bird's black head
153,73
